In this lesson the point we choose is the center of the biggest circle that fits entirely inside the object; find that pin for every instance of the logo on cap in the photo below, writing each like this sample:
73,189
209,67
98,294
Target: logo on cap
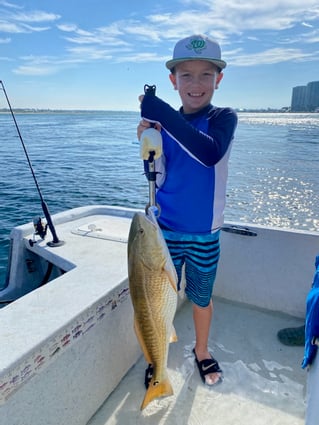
198,45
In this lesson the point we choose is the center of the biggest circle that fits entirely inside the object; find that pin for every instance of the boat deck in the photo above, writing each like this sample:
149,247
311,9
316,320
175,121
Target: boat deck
69,346
263,381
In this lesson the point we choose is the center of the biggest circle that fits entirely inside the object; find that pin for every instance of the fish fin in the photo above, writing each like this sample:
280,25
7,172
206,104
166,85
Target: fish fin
173,337
141,342
156,390
172,276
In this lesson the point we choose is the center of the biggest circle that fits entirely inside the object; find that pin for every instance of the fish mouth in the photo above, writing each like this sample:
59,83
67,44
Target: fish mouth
152,219
142,219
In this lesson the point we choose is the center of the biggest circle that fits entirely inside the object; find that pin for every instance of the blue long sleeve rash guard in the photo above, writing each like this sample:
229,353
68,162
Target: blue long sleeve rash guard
192,172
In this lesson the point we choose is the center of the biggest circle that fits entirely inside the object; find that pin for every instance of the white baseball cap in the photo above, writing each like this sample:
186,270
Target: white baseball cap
196,47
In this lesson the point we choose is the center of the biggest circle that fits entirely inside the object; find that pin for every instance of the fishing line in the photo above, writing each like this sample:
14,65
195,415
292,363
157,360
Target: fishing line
56,241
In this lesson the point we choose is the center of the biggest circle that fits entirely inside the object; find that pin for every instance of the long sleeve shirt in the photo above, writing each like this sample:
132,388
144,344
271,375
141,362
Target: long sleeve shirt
192,172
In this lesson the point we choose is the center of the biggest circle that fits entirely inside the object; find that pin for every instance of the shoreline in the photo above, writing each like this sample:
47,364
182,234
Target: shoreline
5,111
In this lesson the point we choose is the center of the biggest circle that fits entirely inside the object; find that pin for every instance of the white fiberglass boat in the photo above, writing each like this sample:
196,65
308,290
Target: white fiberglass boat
69,355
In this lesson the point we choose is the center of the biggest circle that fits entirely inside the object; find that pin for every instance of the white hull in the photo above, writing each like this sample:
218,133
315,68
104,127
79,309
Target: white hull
65,346
273,270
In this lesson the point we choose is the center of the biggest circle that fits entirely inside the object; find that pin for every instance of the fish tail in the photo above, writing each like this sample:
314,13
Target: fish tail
156,390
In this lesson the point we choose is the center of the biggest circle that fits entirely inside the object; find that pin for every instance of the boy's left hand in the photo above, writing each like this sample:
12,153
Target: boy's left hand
143,125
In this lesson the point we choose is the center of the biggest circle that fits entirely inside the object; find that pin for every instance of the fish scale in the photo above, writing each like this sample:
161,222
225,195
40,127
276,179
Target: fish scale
155,326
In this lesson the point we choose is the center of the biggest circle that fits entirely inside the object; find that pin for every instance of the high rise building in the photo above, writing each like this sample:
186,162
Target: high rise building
305,98
313,95
298,100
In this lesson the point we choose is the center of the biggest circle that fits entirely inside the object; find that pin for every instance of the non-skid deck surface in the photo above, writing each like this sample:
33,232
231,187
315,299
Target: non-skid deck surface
263,381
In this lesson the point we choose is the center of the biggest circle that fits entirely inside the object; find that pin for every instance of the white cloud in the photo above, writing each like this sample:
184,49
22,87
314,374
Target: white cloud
260,27
272,56
15,22
86,54
9,5
10,27
67,27
237,16
13,28
35,16
305,24
35,70
41,65
74,28
141,58
31,28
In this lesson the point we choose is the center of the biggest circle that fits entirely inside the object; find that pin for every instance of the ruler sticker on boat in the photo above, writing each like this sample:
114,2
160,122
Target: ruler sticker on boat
108,228
35,363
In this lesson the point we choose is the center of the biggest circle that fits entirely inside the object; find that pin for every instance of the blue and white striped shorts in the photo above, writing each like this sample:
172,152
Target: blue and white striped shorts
200,254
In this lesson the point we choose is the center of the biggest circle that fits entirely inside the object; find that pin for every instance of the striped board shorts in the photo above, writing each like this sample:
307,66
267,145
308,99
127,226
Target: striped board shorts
200,254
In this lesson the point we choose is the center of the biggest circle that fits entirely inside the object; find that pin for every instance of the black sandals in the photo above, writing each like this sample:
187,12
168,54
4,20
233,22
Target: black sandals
207,366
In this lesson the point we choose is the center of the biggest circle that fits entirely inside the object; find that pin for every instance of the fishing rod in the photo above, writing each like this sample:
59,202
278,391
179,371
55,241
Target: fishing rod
38,225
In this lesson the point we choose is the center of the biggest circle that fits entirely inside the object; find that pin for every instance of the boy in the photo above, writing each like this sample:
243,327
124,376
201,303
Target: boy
191,179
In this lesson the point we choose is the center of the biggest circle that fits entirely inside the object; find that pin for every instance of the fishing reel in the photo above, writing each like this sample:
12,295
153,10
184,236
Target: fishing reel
40,229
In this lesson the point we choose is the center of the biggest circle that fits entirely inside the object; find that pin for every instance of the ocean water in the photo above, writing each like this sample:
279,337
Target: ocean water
82,158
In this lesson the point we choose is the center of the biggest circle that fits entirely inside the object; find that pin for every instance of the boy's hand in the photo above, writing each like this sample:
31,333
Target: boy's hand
143,125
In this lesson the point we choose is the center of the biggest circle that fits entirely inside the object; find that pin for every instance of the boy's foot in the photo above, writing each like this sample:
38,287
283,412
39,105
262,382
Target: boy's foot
209,370
292,336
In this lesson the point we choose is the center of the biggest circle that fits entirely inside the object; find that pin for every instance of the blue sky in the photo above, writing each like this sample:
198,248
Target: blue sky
98,54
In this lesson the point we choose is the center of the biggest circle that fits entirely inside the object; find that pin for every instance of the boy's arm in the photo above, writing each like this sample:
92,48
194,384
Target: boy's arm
206,148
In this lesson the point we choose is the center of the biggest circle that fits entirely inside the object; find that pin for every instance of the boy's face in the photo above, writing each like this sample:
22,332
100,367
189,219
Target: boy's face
196,81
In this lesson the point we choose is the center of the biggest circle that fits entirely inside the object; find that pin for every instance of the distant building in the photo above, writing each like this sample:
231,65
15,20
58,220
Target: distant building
305,98
298,100
313,95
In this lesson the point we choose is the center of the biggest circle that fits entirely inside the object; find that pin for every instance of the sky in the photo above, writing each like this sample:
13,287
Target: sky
98,54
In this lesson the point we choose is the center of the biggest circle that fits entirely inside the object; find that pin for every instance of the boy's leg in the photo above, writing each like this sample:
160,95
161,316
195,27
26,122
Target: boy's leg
201,253
202,320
